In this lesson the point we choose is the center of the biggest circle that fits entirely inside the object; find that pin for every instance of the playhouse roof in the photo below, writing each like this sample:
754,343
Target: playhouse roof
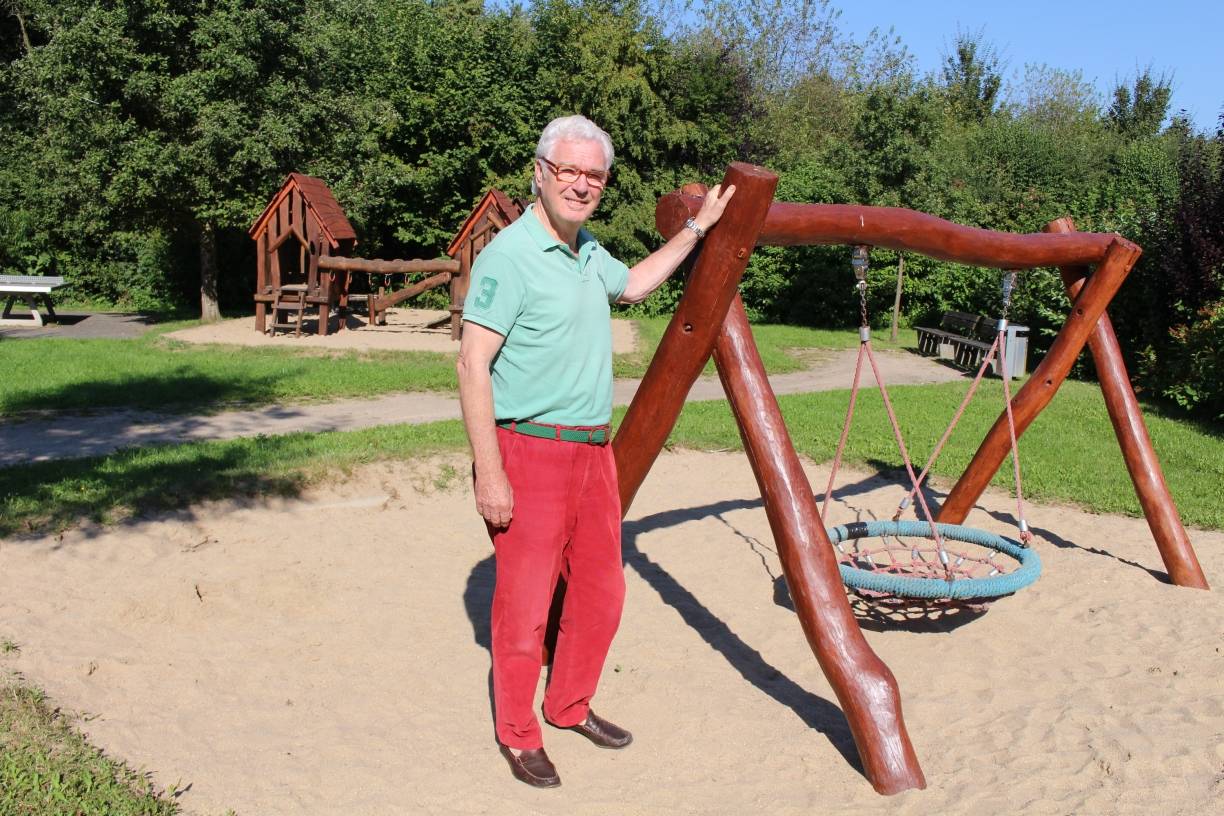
319,202
506,208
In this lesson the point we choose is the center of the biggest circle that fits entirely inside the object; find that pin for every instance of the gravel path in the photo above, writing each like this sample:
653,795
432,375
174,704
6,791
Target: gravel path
84,326
70,436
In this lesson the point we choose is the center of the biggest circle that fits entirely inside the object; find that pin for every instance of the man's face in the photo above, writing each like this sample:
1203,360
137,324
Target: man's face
570,203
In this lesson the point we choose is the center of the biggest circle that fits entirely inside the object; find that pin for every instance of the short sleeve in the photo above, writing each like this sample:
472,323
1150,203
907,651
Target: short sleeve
496,294
615,277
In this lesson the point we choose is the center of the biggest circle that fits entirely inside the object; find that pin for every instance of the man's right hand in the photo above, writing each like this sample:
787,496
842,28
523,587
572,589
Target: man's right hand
494,497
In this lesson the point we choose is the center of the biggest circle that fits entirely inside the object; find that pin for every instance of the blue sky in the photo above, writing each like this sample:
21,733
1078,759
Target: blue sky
1107,42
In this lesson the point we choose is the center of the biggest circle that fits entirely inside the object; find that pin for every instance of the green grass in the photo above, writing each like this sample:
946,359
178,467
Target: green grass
781,347
1070,455
55,495
47,768
154,372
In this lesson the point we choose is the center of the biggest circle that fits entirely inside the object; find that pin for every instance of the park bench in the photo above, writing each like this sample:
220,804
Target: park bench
966,338
32,289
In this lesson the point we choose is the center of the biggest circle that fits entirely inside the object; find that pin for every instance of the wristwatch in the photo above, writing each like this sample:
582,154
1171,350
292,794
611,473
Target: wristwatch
691,223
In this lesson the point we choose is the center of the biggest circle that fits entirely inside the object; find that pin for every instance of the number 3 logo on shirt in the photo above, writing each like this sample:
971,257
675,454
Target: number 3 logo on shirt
488,288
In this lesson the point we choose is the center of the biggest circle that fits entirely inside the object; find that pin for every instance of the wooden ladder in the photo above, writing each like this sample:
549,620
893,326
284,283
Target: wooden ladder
291,301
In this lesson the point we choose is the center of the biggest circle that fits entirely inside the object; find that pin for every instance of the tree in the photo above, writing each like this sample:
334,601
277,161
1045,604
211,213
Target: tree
240,110
1139,109
14,42
1054,98
155,124
972,77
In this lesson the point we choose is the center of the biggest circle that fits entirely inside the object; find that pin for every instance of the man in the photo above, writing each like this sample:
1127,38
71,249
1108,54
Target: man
535,383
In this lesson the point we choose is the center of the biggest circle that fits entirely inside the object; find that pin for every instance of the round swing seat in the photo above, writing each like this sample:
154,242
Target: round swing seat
894,568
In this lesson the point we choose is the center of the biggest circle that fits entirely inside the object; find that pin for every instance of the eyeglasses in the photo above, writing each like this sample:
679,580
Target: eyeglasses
566,174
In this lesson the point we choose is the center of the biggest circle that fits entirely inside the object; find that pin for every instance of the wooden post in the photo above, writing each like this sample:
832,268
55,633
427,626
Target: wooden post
320,281
459,289
689,338
1045,380
896,315
262,284
864,685
1141,462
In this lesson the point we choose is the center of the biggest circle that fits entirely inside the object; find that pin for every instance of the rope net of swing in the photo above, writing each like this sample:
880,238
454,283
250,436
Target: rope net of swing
911,559
900,558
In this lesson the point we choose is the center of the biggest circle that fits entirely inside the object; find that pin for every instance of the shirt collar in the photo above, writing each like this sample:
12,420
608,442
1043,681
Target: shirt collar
545,240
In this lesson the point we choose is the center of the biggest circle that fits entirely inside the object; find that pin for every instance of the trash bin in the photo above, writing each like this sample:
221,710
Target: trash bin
1016,349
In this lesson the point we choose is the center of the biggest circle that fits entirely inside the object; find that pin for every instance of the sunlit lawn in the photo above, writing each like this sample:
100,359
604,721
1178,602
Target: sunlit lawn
156,372
1069,454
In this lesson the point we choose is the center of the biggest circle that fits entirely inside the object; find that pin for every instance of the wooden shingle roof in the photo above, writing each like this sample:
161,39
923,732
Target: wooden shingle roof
319,202
494,202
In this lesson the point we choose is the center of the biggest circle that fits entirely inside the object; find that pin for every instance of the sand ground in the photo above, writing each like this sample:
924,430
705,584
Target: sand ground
405,328
329,655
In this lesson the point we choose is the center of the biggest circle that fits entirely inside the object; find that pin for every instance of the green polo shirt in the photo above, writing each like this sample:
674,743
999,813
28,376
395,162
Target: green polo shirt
551,305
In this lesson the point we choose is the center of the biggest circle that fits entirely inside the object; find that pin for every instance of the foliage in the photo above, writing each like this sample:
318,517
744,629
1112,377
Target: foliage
972,76
1138,110
139,140
46,767
1185,351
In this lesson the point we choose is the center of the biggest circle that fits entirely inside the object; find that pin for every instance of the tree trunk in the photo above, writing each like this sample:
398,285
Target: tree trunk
210,309
25,36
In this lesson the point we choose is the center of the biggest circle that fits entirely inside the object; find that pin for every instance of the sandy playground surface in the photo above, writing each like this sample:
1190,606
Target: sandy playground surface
329,655
405,329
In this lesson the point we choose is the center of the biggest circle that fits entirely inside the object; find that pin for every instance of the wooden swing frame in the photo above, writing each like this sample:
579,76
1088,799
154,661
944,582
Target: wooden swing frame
710,318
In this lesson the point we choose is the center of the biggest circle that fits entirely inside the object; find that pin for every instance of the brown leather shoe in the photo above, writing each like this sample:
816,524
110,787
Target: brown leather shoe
602,733
533,767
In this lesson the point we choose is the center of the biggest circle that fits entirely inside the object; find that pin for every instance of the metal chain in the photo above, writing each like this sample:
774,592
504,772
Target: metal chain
858,261
1009,286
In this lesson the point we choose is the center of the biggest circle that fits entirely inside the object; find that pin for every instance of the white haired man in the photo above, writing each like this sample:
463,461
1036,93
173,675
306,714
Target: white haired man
535,383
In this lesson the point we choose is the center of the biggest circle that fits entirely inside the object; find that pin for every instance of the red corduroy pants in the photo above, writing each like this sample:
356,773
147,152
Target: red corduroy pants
566,522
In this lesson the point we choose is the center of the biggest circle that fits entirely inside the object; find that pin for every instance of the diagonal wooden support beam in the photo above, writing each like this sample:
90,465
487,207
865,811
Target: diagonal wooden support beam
1141,462
864,685
689,339
1045,381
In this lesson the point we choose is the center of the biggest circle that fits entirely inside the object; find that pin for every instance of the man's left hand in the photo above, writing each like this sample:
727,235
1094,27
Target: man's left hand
712,207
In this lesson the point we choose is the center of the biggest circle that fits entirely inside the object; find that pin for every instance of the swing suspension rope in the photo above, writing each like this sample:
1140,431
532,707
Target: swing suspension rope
931,574
999,346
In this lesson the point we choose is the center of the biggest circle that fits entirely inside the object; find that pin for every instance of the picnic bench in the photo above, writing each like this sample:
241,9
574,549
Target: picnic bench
965,339
32,289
